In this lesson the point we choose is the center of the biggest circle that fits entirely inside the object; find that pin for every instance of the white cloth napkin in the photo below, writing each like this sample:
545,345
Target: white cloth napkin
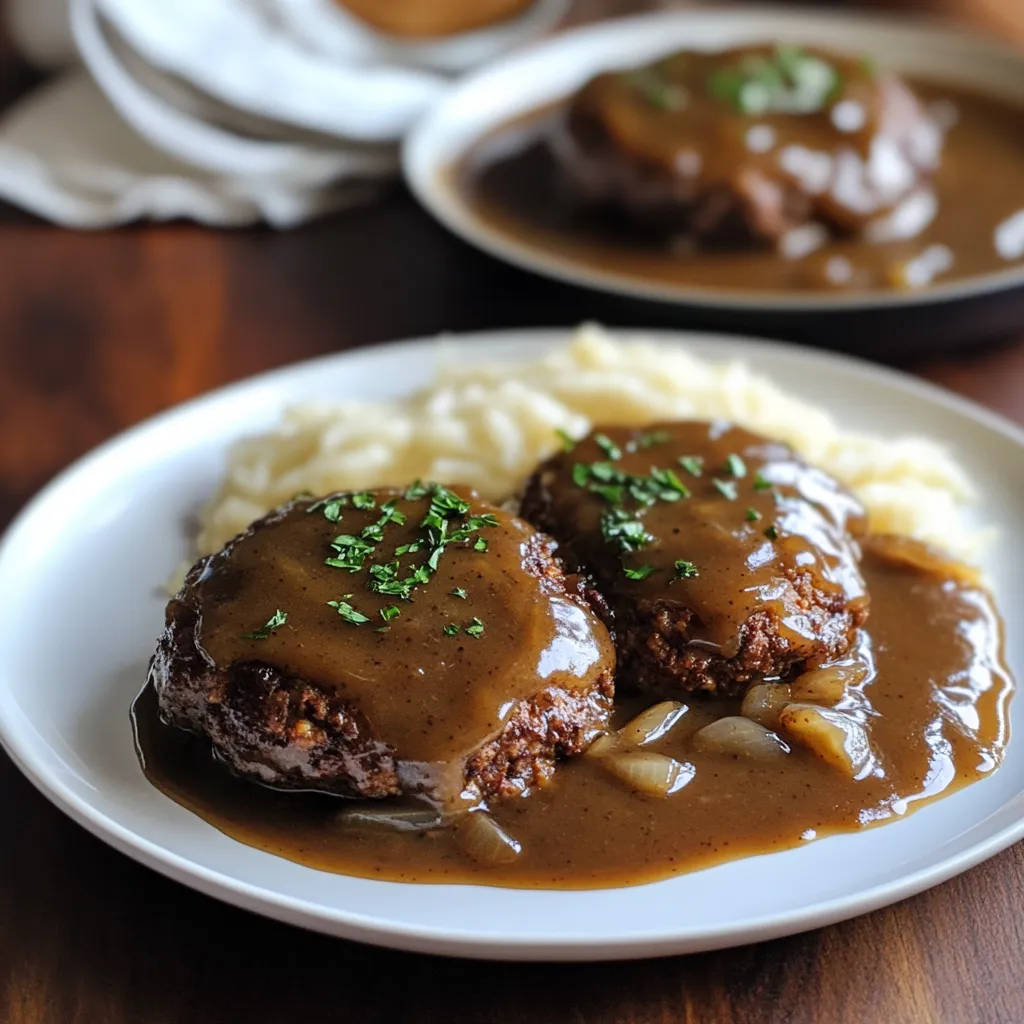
222,111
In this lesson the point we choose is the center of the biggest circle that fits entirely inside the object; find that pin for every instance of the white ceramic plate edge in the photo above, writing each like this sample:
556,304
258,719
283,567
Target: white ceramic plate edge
437,939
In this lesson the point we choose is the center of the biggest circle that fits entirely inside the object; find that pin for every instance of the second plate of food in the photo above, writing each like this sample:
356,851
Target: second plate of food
766,170
381,703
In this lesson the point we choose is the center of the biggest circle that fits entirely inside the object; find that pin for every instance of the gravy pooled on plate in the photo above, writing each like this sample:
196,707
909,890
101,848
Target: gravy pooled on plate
494,671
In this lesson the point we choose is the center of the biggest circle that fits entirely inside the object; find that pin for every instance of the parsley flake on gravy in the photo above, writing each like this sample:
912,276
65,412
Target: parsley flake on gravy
726,488
735,465
685,570
348,613
276,621
641,572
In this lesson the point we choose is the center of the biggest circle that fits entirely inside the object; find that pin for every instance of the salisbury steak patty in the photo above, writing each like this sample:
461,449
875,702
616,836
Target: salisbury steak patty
737,148
417,642
720,557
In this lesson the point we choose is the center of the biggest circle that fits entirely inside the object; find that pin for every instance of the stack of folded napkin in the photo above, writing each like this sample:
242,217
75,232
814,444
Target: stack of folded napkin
222,111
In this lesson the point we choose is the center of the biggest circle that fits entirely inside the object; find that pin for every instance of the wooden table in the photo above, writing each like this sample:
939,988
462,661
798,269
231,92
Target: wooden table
98,331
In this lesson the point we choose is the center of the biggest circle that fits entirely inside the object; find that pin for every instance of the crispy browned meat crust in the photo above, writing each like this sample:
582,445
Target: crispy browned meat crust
652,639
288,733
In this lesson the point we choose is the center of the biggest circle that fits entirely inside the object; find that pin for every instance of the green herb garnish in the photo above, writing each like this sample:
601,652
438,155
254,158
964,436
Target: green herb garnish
685,570
475,628
608,446
416,491
390,612
736,466
656,90
568,441
726,488
348,613
641,572
654,437
332,510
693,464
276,621
459,593
480,545
753,515
624,530
772,533
451,629
761,484
671,487
364,500
788,81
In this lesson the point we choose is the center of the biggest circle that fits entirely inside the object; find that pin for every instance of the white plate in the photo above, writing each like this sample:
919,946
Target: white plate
80,572
557,67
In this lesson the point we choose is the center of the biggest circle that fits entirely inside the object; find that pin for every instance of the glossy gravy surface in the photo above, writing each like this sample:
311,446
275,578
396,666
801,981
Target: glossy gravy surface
434,697
515,187
753,517
935,704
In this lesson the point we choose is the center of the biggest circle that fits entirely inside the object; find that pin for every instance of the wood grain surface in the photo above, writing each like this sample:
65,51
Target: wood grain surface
101,330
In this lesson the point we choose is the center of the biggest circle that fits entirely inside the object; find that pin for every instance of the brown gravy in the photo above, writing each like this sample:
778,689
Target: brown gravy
936,702
516,188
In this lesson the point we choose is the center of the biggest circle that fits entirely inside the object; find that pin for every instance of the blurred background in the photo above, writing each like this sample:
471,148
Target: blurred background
193,192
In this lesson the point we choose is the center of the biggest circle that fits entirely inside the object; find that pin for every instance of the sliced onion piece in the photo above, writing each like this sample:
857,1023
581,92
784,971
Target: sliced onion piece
603,745
763,702
648,773
393,819
835,737
826,685
918,555
652,724
740,737
483,839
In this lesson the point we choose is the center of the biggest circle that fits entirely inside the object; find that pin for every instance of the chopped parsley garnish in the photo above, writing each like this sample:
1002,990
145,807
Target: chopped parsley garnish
657,90
332,511
623,529
580,474
753,515
772,533
451,629
568,441
390,612
693,464
654,437
671,487
608,446
641,572
735,466
475,628
761,484
685,570
276,621
726,488
364,500
416,491
788,81
480,545
383,629
459,593
348,613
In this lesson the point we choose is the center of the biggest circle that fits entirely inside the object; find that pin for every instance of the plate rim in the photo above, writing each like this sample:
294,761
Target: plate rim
461,942
426,176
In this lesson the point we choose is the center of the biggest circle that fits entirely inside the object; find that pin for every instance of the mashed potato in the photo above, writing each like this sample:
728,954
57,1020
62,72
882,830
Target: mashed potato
489,424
